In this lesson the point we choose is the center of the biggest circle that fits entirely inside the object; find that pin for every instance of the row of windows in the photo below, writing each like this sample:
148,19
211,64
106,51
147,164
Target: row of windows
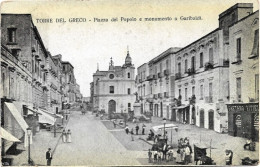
193,61
112,90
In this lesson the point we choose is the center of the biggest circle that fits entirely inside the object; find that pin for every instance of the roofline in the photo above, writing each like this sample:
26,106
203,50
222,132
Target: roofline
198,40
243,18
67,62
237,5
163,55
141,65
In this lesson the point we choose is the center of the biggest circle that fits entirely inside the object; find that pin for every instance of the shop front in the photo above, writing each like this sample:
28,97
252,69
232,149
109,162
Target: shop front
243,120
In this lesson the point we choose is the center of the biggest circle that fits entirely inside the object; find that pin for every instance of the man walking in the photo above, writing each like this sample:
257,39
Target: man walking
137,129
48,157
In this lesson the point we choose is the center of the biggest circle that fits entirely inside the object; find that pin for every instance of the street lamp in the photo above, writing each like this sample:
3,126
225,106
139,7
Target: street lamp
29,132
164,122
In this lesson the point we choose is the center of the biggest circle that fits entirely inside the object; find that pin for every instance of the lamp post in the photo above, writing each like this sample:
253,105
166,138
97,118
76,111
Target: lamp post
29,132
55,125
164,122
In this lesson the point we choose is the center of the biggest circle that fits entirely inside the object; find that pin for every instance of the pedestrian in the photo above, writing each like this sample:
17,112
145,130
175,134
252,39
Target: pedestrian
126,130
150,156
155,156
132,134
69,136
228,157
64,136
159,157
143,129
48,157
164,151
137,129
114,122
187,153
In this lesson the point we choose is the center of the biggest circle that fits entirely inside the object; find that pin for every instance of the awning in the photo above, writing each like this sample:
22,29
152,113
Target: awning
18,117
46,118
7,136
181,107
167,126
31,110
52,114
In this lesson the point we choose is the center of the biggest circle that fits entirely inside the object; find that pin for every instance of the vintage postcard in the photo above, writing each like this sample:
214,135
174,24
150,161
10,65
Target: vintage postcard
129,83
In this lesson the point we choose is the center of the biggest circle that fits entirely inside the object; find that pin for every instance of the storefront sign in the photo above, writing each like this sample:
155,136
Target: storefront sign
248,107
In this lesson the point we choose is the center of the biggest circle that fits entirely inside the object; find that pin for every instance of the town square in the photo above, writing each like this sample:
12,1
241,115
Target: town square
136,84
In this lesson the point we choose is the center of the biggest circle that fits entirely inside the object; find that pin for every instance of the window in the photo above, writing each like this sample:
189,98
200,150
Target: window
129,106
211,55
238,82
201,59
44,76
179,68
111,89
186,94
128,75
167,64
193,90
155,70
186,65
15,52
32,66
111,76
257,86
179,92
193,62
238,49
160,67
63,68
210,89
201,92
129,91
151,91
11,34
70,78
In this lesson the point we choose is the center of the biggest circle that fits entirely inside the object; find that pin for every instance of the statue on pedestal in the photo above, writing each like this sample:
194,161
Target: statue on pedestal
136,97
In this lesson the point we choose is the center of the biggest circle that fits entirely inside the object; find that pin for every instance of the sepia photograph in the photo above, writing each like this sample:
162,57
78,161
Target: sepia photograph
129,83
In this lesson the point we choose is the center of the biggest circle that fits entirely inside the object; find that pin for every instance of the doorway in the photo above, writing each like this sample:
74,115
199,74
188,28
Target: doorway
211,119
202,118
161,109
111,107
173,115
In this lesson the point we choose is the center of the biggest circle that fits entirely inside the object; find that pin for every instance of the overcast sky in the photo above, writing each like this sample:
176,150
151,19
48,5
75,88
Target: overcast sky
87,43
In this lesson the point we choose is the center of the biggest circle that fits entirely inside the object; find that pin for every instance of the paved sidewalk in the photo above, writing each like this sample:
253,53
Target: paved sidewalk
41,142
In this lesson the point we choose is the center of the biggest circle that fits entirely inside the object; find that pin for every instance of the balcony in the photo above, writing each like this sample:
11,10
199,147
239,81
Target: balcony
150,78
155,96
155,77
226,63
192,99
160,95
209,65
238,60
177,75
166,72
160,75
166,94
190,71
209,99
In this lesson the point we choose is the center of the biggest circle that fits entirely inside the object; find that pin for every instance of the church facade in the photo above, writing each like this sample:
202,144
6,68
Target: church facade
114,90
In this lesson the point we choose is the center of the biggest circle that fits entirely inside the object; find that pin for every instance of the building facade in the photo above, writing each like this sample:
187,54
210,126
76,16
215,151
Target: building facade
114,89
243,116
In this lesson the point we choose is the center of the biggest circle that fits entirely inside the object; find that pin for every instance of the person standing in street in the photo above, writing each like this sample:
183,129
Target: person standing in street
143,129
228,157
150,156
64,136
187,154
132,134
126,130
69,136
48,157
114,122
137,129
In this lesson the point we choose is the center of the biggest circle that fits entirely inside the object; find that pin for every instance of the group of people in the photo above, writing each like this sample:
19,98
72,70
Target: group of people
127,130
184,151
66,136
161,154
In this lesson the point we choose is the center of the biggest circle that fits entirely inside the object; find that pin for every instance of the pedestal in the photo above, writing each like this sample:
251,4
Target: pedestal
137,109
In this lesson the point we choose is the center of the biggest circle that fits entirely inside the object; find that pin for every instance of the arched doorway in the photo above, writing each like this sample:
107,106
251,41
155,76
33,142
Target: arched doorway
211,119
111,107
202,118
193,115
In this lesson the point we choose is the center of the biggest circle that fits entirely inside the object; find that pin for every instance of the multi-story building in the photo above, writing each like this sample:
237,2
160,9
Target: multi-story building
69,80
78,94
243,114
155,83
114,89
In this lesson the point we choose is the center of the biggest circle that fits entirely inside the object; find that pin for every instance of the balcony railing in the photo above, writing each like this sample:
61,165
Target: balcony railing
226,62
166,94
150,78
209,65
209,99
160,95
166,72
190,71
160,75
177,75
